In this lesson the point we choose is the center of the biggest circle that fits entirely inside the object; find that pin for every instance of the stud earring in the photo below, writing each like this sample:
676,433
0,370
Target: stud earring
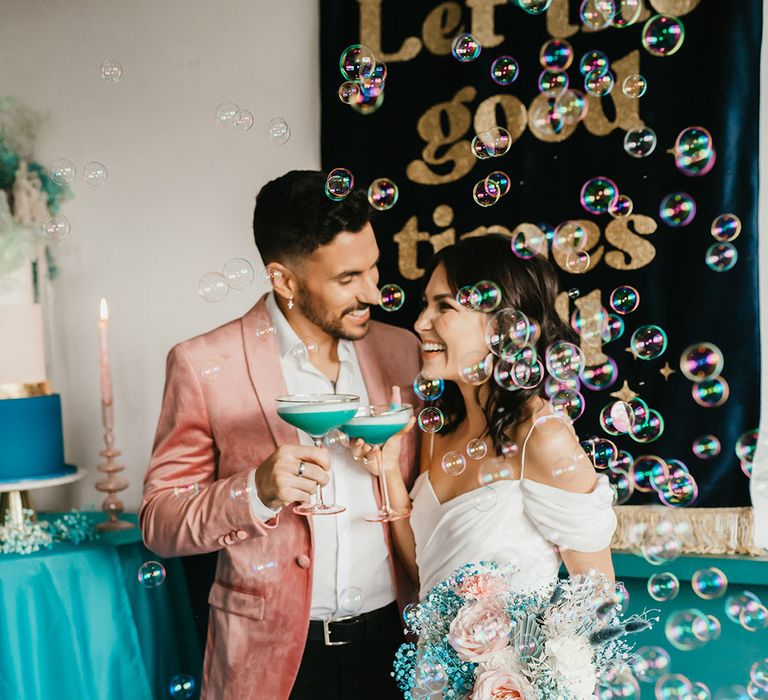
290,303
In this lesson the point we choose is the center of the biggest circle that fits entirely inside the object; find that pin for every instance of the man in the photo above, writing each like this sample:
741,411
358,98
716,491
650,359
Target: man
225,469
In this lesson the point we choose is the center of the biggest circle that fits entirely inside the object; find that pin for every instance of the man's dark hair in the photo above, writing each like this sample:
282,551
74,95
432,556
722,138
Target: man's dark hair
293,216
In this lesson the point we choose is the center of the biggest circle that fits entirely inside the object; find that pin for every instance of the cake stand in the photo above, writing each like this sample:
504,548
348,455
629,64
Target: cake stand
14,490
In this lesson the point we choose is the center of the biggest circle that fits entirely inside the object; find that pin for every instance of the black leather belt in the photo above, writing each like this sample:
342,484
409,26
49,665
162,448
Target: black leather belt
354,628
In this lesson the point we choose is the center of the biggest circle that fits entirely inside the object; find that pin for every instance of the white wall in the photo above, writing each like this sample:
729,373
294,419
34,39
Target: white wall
179,198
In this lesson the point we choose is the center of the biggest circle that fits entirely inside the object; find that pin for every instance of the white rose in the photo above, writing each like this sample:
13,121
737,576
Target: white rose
570,657
506,658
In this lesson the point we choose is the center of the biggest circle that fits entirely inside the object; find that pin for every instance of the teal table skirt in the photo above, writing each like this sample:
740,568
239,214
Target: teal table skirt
76,623
722,662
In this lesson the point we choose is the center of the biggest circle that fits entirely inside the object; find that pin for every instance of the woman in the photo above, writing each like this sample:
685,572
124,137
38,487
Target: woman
552,505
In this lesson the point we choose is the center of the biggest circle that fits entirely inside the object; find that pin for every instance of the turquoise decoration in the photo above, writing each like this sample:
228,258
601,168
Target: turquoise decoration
554,642
31,439
30,536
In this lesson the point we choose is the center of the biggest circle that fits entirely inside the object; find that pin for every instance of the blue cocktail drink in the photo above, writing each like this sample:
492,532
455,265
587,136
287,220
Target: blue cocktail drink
316,415
375,425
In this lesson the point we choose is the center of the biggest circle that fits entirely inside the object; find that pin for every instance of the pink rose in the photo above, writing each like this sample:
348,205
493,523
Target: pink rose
481,585
481,628
501,684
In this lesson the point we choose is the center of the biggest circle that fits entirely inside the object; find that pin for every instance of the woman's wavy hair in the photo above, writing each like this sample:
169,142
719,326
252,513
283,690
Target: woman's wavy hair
530,286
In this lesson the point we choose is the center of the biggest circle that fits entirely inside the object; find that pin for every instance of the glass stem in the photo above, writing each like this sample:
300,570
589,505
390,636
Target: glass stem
383,484
319,443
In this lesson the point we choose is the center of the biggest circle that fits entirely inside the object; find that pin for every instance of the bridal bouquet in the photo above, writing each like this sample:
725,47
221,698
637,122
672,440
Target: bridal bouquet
480,639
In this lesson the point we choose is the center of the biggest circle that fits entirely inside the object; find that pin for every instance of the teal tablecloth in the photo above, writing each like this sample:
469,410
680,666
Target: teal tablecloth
76,623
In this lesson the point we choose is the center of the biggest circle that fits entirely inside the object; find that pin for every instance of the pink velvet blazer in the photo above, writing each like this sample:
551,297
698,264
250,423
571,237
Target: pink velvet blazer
211,431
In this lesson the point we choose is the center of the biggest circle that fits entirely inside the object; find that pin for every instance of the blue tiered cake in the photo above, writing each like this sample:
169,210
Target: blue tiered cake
31,439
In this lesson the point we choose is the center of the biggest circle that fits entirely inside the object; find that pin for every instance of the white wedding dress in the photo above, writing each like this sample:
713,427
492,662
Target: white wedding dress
511,521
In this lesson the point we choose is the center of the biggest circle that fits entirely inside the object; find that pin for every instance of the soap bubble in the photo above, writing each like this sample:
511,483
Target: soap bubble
663,35
476,367
213,287
504,70
663,586
391,297
578,262
431,419
709,583
627,13
351,600
648,342
186,491
349,91
494,469
534,7
238,273
564,360
597,194
243,120
706,447
339,184
465,48
507,327
569,237
95,174
746,446
63,171
593,61
486,193
721,257
625,299
279,131
488,296
492,143
428,389
572,106
568,403
453,463
701,361
640,143
553,83
622,485
623,206
597,14
726,227
182,686
651,663
711,393
556,54
477,449
598,84
528,242
210,370
648,471
151,574
677,209
111,71
383,194
336,440
634,86
500,180
225,114
356,62
56,228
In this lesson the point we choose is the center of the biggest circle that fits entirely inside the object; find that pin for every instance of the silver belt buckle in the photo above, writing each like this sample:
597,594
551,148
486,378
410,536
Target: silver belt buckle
327,631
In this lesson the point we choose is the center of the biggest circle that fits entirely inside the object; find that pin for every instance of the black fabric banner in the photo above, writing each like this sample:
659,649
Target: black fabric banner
434,105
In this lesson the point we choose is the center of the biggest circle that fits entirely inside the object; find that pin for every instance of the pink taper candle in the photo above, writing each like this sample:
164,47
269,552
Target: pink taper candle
105,372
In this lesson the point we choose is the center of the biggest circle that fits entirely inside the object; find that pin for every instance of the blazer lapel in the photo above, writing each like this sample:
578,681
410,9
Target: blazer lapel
262,356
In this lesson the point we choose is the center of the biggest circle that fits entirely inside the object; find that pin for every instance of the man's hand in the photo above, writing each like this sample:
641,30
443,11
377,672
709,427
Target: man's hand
277,478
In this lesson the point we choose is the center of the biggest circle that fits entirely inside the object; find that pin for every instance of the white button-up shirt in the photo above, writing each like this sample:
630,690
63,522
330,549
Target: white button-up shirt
349,552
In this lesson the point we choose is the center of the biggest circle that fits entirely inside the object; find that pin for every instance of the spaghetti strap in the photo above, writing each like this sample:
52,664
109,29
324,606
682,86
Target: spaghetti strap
541,419
431,448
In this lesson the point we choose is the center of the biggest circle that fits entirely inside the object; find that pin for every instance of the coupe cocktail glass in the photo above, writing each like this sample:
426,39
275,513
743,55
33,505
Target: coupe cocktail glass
375,425
316,415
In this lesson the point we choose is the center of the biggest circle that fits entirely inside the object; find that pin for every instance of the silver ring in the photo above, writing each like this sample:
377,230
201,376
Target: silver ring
302,468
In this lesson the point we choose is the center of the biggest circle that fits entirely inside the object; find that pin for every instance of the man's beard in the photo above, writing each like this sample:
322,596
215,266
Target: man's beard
332,326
